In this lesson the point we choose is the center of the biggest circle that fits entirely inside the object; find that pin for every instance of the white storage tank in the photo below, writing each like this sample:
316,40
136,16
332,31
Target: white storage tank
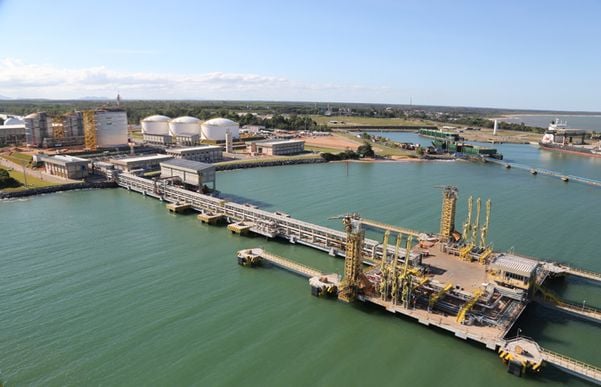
155,125
184,126
111,128
13,121
216,128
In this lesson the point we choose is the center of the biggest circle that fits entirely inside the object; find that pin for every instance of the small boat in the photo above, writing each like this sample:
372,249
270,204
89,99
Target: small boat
533,171
565,178
507,166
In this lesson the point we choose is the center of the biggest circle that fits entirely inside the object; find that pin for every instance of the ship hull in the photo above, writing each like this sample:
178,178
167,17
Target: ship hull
569,149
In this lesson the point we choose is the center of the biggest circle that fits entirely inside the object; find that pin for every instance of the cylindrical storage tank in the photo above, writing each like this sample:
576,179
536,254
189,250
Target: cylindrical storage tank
216,128
13,121
111,128
155,125
184,126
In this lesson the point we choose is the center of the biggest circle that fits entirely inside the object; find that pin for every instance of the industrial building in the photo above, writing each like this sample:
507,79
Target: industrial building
275,147
105,128
189,172
203,153
67,130
140,163
12,132
38,126
67,167
187,139
216,128
157,139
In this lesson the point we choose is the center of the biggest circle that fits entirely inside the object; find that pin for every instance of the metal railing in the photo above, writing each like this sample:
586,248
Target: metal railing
571,364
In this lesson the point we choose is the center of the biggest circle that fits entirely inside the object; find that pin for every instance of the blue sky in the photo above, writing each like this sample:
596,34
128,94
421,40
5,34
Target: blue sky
515,54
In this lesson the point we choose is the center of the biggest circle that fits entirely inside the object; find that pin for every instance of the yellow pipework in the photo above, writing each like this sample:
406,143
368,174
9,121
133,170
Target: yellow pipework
469,305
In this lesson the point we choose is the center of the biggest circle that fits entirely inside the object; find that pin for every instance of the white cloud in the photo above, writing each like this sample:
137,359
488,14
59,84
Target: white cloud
25,80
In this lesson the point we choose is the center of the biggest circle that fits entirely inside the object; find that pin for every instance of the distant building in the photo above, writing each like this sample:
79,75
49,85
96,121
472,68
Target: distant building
252,128
189,172
203,153
38,126
275,147
144,163
67,167
105,128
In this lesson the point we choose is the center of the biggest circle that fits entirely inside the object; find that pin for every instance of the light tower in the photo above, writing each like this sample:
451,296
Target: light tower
447,214
352,261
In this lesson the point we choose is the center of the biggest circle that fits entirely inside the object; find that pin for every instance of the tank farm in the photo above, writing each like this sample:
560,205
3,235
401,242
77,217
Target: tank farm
452,280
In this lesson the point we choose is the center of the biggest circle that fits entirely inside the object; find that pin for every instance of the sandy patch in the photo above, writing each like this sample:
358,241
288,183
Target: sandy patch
333,141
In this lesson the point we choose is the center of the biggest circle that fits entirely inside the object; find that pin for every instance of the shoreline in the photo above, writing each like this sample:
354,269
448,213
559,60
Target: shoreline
56,188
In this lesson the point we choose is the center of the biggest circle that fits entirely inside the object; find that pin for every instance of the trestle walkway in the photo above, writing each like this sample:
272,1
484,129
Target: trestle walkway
542,171
281,262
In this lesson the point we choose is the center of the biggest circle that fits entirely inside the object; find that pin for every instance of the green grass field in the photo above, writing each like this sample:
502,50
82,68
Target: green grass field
367,121
32,182
18,158
321,149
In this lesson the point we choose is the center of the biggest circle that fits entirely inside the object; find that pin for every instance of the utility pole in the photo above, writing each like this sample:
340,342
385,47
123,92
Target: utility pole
24,175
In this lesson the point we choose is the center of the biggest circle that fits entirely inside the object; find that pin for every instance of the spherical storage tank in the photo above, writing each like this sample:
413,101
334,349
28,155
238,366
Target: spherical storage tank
155,125
216,128
184,126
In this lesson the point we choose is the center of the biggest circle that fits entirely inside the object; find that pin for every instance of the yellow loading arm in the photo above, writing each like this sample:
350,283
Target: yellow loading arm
476,222
484,231
485,255
436,296
395,284
469,305
464,252
384,250
467,226
383,269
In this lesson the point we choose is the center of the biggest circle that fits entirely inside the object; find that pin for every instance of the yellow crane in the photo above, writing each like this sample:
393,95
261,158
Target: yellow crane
353,257
447,214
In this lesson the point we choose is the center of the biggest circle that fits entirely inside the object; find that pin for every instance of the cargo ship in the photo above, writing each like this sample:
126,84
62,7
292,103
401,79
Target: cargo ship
559,138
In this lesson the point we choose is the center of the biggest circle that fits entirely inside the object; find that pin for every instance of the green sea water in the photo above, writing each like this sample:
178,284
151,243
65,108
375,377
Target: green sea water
105,287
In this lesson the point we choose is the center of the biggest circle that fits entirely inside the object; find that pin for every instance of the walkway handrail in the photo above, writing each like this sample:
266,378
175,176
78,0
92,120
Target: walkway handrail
570,363
288,263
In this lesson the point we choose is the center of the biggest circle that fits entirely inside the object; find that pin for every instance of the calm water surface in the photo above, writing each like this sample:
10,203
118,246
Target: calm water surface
106,287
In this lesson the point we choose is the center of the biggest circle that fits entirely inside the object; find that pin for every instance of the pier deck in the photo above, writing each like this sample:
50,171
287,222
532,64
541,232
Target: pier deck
527,351
334,242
